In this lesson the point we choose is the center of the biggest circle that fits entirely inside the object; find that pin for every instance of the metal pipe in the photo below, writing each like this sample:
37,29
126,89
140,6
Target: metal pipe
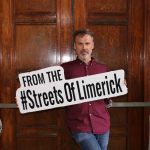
130,104
114,104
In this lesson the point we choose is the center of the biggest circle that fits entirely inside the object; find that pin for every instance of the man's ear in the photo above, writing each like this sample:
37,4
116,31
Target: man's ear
74,46
93,45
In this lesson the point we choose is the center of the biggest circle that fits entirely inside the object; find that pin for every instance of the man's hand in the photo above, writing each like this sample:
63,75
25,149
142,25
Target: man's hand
108,103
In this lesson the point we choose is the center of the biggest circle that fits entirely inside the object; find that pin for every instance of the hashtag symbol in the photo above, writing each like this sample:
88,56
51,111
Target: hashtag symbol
23,99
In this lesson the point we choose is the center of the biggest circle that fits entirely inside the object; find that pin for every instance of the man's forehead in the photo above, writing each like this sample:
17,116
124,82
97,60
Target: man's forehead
84,36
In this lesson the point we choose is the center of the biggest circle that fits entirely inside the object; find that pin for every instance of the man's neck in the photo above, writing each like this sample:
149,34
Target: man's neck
86,61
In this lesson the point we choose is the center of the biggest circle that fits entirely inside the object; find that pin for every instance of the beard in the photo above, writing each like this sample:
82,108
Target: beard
84,52
85,56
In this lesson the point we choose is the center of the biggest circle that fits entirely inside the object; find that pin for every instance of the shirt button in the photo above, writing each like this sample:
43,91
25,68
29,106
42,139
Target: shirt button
90,114
89,104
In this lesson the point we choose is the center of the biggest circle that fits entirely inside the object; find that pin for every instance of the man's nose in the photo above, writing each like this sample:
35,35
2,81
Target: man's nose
84,46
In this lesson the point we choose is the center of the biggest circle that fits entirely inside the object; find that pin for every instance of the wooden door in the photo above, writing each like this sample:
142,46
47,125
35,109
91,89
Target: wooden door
34,34
118,28
38,33
147,74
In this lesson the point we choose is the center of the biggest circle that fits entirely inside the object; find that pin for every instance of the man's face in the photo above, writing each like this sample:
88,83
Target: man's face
83,46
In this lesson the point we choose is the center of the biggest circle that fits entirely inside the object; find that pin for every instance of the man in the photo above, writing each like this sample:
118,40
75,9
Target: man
89,122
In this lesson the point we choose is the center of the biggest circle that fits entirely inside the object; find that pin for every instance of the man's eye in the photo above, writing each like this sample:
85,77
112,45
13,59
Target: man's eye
79,43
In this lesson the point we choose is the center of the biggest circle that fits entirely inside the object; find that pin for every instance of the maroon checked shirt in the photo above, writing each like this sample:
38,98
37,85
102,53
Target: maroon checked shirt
90,116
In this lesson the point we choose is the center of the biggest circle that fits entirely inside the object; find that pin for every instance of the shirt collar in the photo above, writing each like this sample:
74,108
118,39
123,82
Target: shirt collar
81,62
